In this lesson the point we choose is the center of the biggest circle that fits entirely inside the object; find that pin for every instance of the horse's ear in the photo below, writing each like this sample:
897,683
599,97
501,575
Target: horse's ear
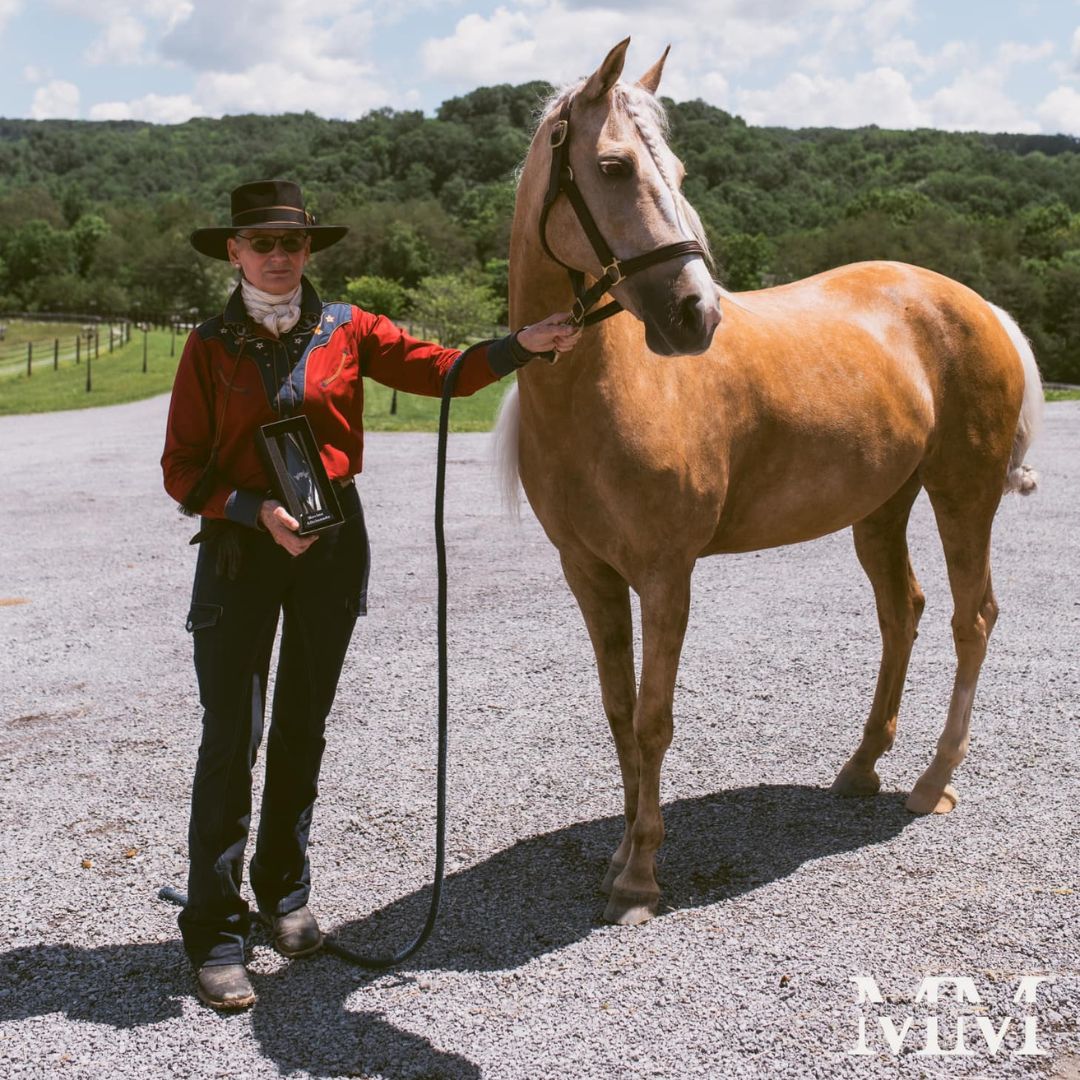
651,79
607,74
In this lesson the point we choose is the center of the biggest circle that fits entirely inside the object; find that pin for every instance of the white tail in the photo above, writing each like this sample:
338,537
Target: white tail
505,452
1022,478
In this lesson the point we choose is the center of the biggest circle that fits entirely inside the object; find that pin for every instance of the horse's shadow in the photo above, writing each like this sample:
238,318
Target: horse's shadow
530,899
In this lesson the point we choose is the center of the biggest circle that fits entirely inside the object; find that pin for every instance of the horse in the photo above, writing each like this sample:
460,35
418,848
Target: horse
697,421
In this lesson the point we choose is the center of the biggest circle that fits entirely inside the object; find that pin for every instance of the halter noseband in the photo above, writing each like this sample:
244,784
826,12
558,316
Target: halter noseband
561,181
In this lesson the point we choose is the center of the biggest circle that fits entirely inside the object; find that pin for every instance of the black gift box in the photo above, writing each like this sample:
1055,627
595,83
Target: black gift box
297,474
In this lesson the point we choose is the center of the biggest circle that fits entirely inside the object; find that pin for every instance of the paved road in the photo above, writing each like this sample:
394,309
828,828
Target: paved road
776,893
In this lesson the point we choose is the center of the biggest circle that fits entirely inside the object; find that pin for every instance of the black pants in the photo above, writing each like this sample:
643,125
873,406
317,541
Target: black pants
233,624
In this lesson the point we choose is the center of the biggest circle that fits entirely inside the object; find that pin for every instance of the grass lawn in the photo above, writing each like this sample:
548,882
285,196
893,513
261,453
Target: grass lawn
44,336
1063,395
119,377
114,377
474,413
20,331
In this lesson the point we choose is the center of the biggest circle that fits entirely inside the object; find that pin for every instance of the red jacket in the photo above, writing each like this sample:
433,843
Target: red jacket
234,376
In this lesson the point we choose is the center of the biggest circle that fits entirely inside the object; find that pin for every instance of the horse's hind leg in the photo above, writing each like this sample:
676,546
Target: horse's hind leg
964,525
881,545
604,599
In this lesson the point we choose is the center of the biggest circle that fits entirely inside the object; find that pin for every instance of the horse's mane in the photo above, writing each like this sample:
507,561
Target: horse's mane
650,118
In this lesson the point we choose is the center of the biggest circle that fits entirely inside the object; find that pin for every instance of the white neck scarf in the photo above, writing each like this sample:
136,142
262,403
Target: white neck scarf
279,313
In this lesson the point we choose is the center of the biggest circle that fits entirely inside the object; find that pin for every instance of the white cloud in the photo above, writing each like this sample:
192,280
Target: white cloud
719,44
976,101
820,62
507,39
1059,111
56,100
882,17
8,8
265,56
271,88
900,52
883,97
1011,53
348,35
299,59
157,108
237,35
123,42
516,42
715,89
515,46
849,30
127,25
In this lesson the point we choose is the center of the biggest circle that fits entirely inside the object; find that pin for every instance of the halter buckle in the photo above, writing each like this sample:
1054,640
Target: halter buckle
559,133
577,312
614,273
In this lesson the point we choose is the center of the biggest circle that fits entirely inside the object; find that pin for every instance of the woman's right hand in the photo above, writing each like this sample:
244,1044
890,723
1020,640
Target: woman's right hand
283,527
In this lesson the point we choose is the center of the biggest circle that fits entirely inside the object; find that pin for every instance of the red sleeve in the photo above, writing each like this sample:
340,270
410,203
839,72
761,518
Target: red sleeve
189,432
391,357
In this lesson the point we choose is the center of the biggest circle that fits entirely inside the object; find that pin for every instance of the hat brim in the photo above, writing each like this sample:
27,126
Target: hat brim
212,241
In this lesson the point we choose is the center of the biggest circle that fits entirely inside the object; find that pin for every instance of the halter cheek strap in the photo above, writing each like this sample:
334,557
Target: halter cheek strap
561,182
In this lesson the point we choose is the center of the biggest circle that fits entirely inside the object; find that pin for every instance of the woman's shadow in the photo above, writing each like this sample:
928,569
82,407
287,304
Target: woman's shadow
534,897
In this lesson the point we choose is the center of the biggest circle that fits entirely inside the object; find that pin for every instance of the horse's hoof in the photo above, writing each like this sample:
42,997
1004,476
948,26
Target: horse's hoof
630,909
931,800
613,871
850,782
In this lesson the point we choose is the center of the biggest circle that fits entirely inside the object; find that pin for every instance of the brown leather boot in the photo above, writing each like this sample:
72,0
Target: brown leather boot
295,934
225,986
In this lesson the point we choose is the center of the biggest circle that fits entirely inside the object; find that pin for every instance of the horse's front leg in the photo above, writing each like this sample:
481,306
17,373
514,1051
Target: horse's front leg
665,607
604,599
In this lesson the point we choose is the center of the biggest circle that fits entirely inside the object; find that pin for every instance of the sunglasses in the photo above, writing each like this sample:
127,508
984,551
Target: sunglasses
291,242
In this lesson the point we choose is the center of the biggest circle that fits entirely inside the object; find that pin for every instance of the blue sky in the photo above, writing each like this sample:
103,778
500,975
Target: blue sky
989,65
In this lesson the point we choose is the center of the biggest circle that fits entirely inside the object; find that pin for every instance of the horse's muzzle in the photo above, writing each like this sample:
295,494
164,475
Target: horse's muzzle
686,327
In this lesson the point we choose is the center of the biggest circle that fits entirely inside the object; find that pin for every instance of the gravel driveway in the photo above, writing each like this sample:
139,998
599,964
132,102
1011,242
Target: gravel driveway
776,894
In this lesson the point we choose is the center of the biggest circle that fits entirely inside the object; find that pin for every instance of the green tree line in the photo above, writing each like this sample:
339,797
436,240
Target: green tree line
94,217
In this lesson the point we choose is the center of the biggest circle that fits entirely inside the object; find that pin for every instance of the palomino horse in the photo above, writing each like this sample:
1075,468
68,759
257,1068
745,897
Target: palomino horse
699,422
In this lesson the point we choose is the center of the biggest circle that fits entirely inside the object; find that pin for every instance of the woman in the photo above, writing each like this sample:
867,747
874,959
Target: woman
279,351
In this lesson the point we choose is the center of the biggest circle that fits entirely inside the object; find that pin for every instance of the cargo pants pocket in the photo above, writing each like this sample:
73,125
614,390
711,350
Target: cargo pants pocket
202,616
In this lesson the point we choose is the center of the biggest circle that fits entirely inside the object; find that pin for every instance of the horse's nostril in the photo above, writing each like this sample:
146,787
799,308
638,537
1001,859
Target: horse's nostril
696,317
692,312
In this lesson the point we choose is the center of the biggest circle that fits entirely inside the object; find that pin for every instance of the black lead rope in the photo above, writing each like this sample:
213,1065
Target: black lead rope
381,963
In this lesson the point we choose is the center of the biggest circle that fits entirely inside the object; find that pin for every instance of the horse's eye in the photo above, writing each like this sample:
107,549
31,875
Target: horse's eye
615,167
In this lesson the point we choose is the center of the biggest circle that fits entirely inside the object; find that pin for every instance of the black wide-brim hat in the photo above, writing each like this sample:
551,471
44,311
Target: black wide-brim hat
266,204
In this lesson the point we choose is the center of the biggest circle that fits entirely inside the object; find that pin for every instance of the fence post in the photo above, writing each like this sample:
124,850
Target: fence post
172,346
56,354
144,349
88,365
393,403
110,337
97,348
29,359
78,348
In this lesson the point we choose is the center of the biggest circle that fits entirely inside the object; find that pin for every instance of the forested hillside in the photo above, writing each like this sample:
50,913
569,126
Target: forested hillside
94,216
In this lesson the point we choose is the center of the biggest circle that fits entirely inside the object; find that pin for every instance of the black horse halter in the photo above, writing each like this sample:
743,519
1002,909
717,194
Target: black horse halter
562,182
